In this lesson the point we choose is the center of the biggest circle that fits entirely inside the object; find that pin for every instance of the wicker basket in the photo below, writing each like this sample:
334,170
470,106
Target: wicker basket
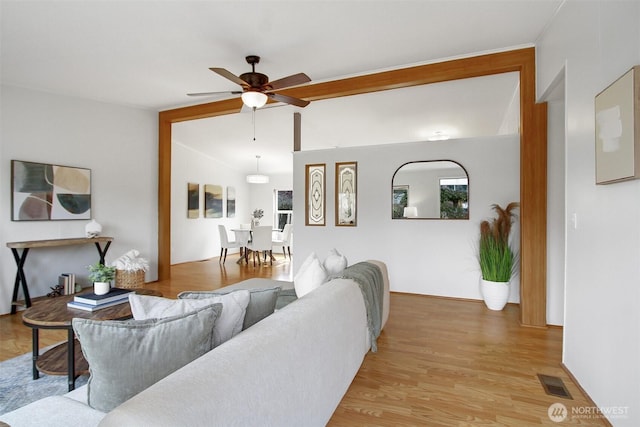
129,279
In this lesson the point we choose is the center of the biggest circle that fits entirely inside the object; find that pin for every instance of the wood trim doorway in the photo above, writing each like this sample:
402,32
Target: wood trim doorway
533,153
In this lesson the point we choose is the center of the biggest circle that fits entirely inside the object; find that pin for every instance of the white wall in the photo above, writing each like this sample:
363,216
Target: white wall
198,239
118,144
556,224
597,42
432,257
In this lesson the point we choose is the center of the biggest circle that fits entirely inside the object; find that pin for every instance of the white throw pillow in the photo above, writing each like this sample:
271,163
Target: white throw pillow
335,263
310,276
227,326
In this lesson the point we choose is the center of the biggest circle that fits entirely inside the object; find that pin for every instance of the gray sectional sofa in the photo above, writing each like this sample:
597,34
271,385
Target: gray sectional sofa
290,369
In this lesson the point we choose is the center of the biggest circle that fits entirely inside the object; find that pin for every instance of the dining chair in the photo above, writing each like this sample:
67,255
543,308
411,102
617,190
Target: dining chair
225,243
284,240
260,243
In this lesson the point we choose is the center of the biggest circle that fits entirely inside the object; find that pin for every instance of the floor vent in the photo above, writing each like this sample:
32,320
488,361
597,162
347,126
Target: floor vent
554,386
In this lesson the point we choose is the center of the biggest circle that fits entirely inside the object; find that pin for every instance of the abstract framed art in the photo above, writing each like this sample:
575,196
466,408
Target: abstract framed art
315,197
617,123
231,202
346,202
193,200
47,192
212,201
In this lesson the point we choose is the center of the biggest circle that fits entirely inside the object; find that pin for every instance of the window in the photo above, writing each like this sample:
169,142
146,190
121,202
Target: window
284,208
454,198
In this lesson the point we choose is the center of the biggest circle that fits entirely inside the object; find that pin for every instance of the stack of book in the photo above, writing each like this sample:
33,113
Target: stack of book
92,302
68,283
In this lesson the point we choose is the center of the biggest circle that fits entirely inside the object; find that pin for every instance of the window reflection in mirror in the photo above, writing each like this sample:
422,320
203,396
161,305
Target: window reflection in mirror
430,189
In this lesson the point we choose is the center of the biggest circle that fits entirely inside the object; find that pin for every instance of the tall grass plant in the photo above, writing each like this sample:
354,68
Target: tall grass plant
497,258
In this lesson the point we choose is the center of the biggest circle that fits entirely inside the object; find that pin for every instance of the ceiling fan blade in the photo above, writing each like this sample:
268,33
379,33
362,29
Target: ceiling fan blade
288,99
229,92
229,75
293,80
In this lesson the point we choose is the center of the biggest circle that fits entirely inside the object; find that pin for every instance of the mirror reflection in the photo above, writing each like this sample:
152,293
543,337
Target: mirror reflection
430,189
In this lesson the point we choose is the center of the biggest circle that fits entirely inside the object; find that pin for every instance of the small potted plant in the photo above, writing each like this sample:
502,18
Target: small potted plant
101,275
498,260
257,214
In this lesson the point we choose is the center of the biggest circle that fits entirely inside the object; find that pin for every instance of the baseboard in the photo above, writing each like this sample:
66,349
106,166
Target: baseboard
583,391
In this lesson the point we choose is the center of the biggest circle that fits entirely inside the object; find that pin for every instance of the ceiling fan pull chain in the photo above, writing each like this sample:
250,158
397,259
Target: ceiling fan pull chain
253,119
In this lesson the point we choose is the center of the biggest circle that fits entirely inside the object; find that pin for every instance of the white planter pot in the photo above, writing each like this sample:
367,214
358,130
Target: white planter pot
495,294
101,288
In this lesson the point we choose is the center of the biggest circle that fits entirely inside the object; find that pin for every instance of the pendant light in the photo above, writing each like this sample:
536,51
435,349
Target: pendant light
257,178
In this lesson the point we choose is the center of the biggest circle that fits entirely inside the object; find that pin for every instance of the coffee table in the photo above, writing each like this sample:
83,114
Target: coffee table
53,313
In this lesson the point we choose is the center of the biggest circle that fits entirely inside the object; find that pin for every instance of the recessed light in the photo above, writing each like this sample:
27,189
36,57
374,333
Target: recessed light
438,136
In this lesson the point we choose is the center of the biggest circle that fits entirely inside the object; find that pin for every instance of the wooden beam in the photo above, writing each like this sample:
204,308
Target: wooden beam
532,151
297,131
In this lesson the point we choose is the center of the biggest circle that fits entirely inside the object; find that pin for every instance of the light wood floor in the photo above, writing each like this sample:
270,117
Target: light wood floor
440,362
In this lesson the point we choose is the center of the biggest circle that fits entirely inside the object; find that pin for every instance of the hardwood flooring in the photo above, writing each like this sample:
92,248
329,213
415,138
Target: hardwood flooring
440,362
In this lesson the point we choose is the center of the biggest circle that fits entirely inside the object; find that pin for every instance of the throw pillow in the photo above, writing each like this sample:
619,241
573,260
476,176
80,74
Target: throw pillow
126,357
262,302
228,325
335,263
310,276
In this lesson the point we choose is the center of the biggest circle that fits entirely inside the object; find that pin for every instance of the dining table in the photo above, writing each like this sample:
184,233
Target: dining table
243,236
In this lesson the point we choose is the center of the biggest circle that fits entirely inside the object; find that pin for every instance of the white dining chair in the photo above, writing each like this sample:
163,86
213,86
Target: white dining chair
284,240
225,243
260,243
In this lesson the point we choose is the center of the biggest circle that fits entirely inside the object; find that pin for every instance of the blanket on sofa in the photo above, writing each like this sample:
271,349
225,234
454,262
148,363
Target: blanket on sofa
369,278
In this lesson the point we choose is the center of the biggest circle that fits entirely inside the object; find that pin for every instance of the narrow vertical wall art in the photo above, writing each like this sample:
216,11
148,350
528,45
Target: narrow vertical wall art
212,201
346,202
231,202
315,181
193,200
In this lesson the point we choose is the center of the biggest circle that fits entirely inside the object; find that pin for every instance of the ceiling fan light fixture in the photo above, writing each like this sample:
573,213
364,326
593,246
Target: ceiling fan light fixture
254,99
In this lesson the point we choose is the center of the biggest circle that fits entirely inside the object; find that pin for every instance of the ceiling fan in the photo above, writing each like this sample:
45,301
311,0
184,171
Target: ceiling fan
256,87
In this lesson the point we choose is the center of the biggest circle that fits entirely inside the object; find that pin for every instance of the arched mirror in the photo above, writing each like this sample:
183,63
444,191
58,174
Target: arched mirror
430,189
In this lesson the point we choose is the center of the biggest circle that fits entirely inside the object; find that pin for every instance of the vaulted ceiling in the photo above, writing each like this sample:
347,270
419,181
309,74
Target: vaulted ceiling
149,54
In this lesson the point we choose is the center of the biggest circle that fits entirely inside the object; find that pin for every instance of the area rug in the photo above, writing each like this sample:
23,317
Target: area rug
18,388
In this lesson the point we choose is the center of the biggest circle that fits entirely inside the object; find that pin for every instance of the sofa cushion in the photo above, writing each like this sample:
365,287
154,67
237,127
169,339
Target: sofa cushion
126,357
285,297
229,322
310,276
262,302
335,263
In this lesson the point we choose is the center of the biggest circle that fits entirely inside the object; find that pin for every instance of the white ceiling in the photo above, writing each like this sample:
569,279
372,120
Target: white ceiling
149,54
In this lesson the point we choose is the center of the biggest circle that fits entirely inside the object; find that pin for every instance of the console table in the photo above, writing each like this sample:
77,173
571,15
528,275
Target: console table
20,258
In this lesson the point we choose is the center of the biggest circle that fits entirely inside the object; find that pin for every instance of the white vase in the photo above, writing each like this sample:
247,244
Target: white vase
93,229
101,288
495,294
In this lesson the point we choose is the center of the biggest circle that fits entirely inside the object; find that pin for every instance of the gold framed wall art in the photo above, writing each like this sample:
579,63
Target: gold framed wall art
315,194
346,203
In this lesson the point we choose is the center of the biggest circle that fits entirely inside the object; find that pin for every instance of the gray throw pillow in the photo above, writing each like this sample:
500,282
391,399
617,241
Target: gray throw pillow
261,304
228,324
285,297
126,357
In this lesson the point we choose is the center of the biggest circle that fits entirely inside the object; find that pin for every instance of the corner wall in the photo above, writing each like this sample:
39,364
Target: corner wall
596,42
432,257
118,144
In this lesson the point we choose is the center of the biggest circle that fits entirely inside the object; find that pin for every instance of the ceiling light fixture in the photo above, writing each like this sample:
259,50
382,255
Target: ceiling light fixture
438,136
254,99
257,178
